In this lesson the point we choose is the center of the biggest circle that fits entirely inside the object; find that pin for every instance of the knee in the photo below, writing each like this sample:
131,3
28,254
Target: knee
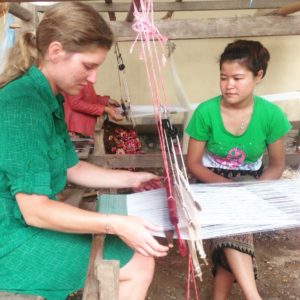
146,272
139,270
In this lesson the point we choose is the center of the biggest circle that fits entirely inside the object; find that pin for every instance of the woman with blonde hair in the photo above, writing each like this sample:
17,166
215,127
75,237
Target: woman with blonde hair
45,244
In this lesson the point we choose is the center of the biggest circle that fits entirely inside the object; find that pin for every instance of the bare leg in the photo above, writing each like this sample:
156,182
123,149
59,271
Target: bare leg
135,277
222,284
242,269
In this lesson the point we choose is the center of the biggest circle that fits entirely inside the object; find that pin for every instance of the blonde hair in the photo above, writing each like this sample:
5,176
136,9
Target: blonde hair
77,26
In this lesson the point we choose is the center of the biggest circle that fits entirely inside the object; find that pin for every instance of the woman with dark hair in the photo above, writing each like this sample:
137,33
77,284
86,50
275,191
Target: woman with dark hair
45,244
228,137
82,110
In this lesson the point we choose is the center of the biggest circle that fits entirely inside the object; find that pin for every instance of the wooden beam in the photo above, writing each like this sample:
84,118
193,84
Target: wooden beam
27,26
216,27
111,14
20,12
170,13
12,296
287,9
130,17
127,161
190,5
153,161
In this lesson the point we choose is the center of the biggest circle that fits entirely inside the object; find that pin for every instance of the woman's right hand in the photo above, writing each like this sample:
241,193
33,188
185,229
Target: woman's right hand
113,113
135,232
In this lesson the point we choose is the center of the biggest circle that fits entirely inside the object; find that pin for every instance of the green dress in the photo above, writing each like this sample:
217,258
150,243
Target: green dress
35,152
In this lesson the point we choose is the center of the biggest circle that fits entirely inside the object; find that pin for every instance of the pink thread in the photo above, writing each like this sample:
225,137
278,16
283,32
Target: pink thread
149,35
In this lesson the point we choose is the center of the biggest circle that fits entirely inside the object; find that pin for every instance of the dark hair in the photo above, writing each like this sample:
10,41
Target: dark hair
251,54
77,26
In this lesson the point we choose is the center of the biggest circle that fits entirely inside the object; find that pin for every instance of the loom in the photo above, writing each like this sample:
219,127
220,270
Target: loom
227,208
177,206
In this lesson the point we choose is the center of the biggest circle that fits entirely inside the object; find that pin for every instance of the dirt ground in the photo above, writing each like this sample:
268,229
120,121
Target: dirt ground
278,259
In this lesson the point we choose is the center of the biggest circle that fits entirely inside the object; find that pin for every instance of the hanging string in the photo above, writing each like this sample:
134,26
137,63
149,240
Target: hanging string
148,34
152,42
188,278
125,97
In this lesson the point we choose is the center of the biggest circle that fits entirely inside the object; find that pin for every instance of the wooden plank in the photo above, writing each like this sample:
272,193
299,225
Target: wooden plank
71,196
102,281
20,12
108,276
99,148
145,161
130,17
188,5
85,152
127,161
286,9
111,14
9,296
216,27
91,286
28,26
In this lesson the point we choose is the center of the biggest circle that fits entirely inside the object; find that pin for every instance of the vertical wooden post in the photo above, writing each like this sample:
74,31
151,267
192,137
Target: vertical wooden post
102,281
31,24
99,148
108,277
91,287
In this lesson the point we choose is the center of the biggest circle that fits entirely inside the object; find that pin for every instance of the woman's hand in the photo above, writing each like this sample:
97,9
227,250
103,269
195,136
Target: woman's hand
89,175
136,233
144,181
113,113
113,102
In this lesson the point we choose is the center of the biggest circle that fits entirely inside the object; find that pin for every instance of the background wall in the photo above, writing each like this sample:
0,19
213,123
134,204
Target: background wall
197,66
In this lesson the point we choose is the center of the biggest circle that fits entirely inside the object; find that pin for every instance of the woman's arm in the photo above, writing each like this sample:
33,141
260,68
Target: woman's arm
81,104
275,168
194,163
39,211
89,175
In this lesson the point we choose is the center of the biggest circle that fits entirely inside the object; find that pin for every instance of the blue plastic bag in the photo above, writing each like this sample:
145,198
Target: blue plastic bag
7,40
